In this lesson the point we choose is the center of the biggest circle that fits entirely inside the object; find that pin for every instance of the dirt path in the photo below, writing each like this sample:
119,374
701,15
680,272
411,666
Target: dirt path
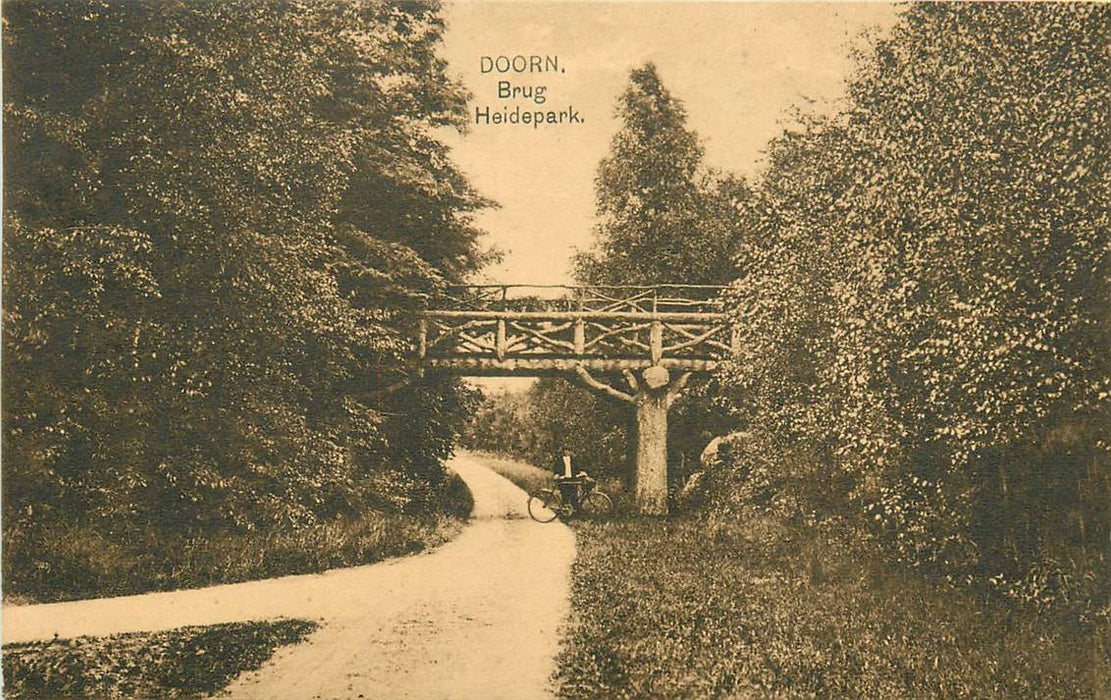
476,618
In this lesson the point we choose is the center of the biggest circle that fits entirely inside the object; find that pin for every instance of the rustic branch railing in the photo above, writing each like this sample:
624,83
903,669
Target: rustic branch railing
514,329
631,298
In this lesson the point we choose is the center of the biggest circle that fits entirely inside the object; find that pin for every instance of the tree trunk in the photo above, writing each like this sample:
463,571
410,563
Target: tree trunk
629,476
651,463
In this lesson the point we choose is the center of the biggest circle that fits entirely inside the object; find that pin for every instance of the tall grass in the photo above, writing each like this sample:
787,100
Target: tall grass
526,476
686,609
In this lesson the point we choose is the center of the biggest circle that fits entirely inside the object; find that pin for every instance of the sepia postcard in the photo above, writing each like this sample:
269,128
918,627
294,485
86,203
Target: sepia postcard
510,350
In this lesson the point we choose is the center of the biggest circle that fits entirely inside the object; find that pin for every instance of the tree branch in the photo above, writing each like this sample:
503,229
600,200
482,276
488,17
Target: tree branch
593,383
632,379
677,386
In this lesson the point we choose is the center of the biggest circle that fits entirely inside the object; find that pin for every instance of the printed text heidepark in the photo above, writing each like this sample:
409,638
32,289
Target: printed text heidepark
537,118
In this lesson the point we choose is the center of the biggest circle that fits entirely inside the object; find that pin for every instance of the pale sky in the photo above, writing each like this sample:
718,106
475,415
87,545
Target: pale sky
741,69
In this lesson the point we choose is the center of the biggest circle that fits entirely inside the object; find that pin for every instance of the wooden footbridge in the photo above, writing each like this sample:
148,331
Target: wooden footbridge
635,344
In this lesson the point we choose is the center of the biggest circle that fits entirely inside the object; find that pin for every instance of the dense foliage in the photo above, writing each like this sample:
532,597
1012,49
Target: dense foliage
84,562
184,663
217,219
925,302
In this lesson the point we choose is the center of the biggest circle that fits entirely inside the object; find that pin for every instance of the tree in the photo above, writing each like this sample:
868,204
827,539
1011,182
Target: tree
553,414
653,196
924,303
216,219
662,218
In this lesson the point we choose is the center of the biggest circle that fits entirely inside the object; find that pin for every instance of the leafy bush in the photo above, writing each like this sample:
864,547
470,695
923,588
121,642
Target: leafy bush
552,415
182,663
923,304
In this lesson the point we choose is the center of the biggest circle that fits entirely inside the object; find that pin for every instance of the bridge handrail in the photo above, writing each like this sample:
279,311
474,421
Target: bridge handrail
638,298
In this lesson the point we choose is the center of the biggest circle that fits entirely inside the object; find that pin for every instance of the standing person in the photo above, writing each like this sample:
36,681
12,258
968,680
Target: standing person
561,467
569,487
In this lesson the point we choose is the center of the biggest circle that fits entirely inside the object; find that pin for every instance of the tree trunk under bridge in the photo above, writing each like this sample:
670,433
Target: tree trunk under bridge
653,395
650,477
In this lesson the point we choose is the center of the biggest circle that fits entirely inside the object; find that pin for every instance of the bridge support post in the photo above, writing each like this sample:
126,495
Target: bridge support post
652,396
650,476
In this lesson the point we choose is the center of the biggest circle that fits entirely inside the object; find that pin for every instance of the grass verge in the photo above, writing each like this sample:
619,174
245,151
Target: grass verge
73,561
680,609
189,662
526,476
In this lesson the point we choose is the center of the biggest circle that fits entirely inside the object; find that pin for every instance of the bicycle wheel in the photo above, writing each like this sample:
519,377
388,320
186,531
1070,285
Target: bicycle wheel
545,505
597,505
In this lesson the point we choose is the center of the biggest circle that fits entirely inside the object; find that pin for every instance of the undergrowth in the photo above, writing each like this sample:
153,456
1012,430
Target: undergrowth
67,561
696,608
686,609
190,662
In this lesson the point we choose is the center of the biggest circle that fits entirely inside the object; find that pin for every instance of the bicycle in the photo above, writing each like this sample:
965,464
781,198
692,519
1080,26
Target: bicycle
572,496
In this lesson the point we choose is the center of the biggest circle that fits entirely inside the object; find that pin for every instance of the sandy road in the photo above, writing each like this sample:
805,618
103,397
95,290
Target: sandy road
476,618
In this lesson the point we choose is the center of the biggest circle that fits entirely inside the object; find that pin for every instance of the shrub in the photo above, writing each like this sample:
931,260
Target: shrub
64,560
187,662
